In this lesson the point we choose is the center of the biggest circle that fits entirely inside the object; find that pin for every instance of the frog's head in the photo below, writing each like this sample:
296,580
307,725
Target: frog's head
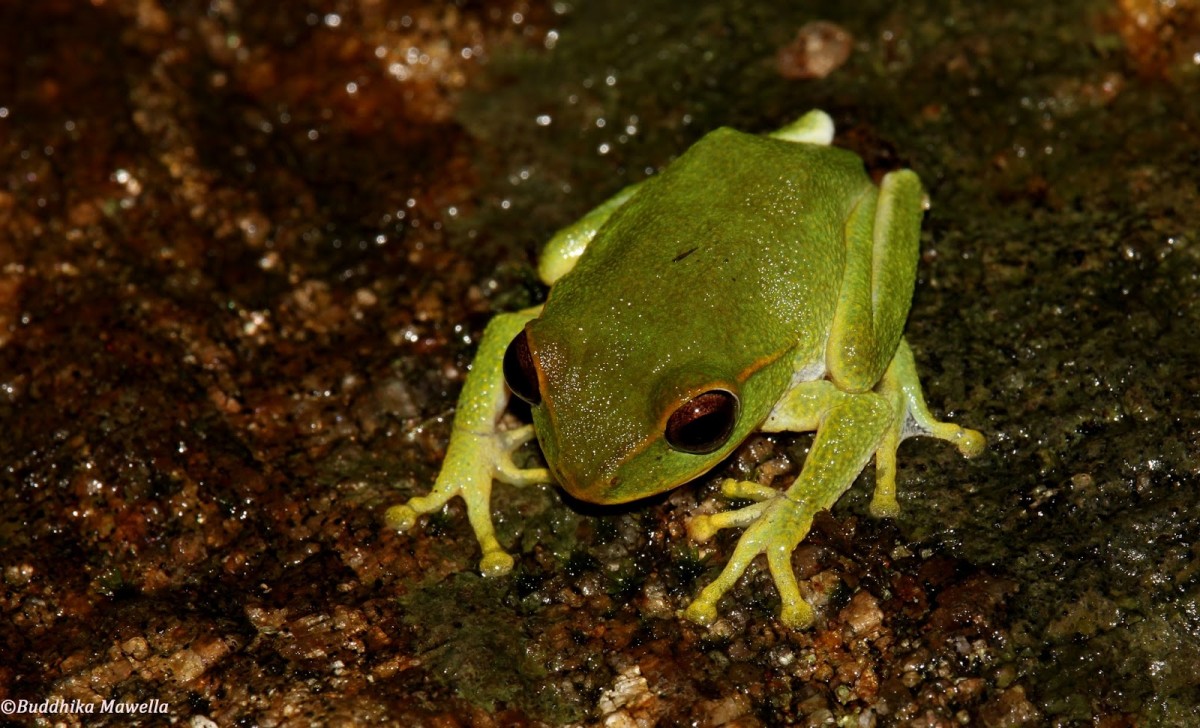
615,428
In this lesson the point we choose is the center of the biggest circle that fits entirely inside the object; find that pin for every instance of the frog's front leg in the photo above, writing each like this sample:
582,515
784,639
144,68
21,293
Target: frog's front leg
850,428
477,452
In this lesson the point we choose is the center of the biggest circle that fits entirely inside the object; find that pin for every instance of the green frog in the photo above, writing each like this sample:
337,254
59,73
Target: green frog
758,284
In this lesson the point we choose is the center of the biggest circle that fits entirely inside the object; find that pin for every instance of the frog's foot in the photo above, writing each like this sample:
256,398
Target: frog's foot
902,389
473,459
776,525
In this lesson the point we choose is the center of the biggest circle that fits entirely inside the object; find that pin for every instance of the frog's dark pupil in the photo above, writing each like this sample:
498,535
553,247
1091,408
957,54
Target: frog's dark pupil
704,422
519,371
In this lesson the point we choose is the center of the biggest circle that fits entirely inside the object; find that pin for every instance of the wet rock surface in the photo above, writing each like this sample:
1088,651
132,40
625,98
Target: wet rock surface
245,255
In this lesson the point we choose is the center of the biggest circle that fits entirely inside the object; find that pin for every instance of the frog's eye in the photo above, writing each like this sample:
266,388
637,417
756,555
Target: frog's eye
704,422
519,370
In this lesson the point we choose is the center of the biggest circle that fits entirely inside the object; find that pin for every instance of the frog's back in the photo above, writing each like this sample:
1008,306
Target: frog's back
737,247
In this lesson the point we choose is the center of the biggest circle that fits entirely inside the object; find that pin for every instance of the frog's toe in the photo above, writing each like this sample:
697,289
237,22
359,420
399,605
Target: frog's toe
884,506
701,612
516,437
401,517
747,489
703,527
970,442
797,614
507,472
495,563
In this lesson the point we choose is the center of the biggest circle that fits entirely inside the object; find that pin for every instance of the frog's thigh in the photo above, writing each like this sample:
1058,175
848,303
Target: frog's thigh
561,252
882,239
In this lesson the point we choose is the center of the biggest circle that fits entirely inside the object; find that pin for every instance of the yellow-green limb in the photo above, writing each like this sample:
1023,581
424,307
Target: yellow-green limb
477,452
882,238
902,388
849,430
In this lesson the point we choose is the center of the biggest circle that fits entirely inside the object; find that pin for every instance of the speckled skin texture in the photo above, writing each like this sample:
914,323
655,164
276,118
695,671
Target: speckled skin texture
726,268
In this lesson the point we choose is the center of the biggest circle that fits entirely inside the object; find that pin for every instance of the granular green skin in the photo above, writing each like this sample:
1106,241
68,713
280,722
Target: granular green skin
213,374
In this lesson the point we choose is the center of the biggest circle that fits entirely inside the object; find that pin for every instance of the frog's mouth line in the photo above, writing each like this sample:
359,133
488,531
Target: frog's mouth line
609,492
559,479
592,494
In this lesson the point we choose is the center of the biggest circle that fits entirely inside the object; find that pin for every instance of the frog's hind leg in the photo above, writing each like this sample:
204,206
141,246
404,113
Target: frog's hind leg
902,389
815,127
882,237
